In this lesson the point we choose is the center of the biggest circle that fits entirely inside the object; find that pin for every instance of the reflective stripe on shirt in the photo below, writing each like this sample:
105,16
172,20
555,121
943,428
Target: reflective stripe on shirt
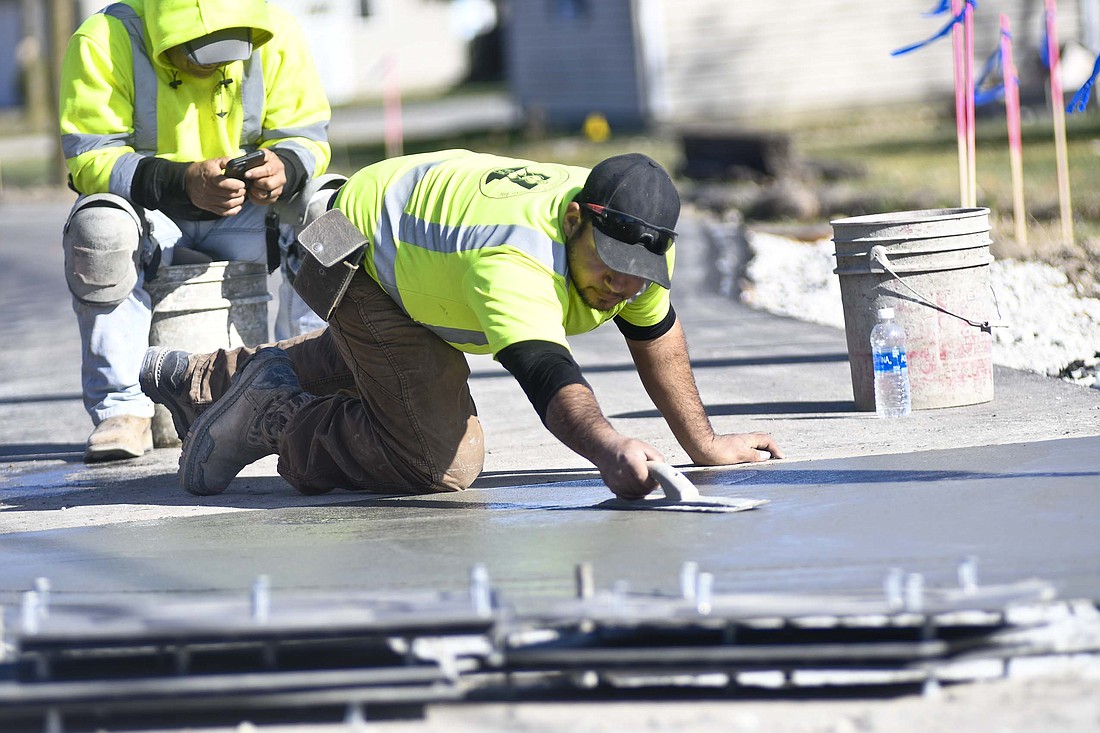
448,238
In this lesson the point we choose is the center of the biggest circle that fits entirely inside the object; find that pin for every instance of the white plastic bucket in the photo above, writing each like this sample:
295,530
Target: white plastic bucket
931,267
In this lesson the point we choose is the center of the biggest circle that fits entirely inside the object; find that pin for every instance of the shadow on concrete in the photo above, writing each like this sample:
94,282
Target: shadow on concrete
69,487
40,398
19,452
762,408
850,477
497,479
701,364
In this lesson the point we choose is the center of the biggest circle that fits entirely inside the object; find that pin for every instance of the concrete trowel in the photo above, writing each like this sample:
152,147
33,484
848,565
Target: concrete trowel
680,495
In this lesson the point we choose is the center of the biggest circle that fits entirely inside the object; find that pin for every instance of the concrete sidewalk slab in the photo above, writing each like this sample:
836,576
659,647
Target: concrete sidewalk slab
756,372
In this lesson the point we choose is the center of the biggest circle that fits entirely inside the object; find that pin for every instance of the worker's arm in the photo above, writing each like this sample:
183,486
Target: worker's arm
553,382
575,418
665,371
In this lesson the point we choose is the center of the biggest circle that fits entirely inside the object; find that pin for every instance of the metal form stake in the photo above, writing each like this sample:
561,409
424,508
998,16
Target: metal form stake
914,593
54,722
586,584
689,580
481,593
30,612
42,586
892,588
968,574
704,593
261,599
356,718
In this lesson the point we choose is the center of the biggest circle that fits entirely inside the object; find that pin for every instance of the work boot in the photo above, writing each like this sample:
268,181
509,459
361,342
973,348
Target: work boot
244,425
162,379
119,438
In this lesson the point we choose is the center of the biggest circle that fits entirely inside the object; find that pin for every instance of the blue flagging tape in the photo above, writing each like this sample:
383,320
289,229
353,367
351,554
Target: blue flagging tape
943,32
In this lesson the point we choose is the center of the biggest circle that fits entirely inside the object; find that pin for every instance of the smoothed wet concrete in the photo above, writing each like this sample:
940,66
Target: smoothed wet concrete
1023,511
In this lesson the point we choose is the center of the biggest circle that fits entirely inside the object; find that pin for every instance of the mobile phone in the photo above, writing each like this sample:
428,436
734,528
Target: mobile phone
236,167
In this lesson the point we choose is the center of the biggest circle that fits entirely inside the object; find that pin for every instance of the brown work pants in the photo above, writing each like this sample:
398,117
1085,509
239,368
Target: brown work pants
391,413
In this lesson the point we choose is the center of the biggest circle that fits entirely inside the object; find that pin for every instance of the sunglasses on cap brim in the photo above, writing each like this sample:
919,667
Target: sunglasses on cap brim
630,229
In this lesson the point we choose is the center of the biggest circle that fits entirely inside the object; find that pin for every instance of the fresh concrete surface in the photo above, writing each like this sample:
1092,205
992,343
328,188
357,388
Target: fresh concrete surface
1011,482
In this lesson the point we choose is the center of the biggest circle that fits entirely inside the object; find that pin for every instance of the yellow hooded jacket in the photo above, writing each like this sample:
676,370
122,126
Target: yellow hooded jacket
122,101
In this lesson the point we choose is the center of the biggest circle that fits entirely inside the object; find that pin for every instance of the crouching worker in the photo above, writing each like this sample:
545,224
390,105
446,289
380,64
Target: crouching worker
156,97
455,252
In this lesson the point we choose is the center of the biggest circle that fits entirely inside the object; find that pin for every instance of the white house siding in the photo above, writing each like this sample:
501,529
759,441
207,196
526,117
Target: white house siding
732,59
416,37
413,39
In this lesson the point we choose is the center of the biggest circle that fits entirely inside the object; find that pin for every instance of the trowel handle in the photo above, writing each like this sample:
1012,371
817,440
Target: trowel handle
676,485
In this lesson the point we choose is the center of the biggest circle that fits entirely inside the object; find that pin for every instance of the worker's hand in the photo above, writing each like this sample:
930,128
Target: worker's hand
210,190
622,467
266,181
736,448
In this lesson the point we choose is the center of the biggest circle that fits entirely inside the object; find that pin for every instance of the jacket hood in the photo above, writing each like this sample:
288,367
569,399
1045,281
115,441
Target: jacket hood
172,22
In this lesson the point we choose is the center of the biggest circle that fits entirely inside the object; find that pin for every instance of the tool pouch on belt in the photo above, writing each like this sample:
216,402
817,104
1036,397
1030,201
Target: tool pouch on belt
333,249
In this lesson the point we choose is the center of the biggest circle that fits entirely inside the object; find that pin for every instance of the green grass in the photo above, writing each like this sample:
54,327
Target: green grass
913,155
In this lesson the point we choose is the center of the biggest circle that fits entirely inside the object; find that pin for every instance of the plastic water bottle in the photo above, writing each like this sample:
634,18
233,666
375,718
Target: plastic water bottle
891,366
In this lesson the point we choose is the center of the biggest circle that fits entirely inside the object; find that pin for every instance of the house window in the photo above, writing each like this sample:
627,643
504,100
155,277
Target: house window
569,9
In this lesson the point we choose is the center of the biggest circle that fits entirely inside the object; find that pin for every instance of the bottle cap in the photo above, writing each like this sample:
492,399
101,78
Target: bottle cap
885,313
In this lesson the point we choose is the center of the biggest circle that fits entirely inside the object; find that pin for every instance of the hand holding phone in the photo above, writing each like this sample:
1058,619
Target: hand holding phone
236,167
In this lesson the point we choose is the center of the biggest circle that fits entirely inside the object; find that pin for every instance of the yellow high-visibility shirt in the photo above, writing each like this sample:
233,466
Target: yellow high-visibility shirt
471,246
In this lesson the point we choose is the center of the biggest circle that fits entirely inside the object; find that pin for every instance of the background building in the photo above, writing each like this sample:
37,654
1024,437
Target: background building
641,62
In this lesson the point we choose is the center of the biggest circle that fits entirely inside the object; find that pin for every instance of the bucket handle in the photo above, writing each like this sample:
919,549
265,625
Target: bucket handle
879,256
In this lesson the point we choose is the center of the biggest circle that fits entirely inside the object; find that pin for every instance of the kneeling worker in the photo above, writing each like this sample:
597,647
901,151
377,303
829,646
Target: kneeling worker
464,252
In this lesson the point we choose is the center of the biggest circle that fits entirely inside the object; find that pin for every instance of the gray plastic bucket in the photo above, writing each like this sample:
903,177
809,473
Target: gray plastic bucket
202,308
931,267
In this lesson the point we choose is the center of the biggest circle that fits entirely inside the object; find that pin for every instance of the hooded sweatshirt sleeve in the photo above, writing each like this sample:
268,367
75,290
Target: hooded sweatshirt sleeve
297,112
97,102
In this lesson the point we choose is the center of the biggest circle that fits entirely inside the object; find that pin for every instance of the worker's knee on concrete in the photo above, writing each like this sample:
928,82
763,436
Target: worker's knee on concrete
101,244
468,461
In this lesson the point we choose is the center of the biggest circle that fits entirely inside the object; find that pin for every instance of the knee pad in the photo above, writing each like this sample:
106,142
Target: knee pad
102,249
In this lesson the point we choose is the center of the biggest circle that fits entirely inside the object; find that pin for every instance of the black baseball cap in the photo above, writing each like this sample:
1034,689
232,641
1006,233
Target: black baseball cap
634,207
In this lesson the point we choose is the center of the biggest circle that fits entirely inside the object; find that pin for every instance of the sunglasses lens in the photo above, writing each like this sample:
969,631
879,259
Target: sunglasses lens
627,228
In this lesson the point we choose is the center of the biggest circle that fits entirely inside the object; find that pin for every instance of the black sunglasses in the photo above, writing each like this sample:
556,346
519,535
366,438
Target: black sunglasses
632,230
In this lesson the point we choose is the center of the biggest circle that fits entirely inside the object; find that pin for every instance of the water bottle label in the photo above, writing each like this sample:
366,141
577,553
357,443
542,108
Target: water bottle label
889,361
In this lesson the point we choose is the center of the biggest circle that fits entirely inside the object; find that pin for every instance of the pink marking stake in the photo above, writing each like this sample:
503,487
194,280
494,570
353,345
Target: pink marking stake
971,141
960,104
1015,139
1057,103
